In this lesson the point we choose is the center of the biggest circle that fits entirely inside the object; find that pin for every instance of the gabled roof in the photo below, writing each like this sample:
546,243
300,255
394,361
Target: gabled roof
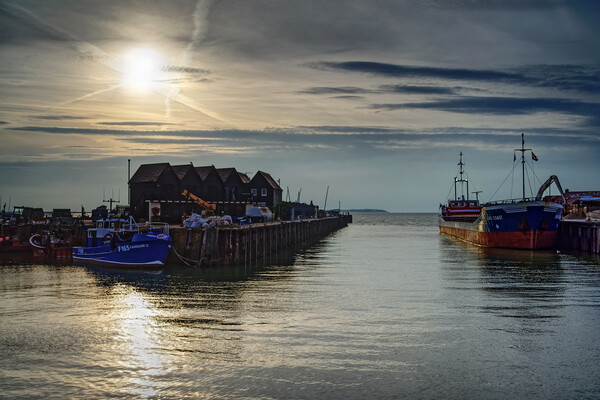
148,172
225,173
269,179
245,178
181,170
204,171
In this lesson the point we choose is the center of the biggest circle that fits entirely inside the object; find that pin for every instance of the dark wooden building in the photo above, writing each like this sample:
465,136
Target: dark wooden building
188,180
212,185
155,190
264,189
153,184
234,186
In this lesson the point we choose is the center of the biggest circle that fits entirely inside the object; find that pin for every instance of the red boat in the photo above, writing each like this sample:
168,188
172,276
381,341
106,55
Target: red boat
13,245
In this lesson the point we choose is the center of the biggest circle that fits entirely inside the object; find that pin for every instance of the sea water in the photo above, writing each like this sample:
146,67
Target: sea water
385,308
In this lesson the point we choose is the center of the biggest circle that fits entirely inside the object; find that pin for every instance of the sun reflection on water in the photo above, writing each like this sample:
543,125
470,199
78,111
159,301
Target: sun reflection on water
138,338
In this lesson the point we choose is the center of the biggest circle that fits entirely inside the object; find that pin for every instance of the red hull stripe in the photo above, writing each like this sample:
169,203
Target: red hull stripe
511,240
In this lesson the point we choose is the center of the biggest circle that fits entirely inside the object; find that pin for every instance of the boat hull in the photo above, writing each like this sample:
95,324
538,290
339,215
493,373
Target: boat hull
142,254
522,225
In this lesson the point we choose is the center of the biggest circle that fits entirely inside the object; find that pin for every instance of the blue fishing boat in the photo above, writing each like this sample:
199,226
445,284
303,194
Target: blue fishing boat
119,243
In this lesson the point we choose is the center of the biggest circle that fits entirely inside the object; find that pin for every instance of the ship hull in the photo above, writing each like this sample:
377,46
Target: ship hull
522,225
145,251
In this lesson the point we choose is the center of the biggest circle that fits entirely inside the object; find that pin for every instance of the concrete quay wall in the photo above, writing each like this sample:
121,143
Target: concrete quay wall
240,245
579,236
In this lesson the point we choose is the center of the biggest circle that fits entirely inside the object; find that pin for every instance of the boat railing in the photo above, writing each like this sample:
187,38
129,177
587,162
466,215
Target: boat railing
134,226
508,201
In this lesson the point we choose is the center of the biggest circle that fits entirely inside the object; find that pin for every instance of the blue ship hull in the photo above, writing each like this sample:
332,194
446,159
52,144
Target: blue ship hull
519,225
145,250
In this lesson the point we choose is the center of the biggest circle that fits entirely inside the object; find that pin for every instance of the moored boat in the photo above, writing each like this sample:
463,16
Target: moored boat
125,244
13,244
526,223
50,246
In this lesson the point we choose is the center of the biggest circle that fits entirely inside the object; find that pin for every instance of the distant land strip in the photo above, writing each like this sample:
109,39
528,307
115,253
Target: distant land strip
364,210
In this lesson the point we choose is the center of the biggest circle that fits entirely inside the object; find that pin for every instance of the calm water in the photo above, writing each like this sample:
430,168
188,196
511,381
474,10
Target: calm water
386,308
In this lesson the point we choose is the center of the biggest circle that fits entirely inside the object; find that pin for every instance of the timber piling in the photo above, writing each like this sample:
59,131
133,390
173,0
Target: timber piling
248,244
579,236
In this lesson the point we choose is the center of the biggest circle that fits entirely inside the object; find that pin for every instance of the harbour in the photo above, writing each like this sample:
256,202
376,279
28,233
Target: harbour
383,308
299,200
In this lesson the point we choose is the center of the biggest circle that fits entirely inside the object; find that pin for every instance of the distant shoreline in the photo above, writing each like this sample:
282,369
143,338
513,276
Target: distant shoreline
364,210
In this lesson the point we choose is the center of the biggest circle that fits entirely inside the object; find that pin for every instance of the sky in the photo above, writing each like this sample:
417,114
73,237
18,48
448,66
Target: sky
372,99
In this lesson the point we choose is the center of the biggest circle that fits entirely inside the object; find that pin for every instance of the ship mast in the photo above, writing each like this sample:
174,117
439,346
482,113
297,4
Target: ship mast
461,180
523,150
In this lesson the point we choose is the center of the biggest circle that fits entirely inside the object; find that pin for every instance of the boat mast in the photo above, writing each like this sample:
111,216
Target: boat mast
461,180
523,150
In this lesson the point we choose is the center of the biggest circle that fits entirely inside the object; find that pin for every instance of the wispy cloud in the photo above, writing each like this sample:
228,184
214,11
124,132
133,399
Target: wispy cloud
501,106
135,123
405,71
568,78
60,117
335,90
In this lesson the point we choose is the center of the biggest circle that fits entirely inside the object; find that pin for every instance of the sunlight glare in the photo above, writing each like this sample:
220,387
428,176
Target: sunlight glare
141,69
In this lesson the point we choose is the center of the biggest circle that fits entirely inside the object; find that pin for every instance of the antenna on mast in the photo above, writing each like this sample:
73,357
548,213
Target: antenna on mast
461,180
523,150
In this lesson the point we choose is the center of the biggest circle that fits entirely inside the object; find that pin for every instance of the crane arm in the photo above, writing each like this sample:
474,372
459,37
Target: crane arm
199,201
546,185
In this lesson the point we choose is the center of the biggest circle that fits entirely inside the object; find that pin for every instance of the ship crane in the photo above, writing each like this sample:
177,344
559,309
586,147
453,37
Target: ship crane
546,185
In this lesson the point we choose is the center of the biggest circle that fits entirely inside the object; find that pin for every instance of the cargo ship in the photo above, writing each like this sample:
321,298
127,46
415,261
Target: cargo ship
525,223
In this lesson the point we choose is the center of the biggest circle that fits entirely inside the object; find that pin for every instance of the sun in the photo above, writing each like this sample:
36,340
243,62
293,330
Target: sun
141,69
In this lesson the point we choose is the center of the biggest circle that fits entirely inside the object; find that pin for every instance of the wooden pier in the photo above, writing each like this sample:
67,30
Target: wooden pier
576,235
248,244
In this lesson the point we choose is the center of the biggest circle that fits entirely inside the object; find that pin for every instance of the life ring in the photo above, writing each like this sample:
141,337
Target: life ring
108,237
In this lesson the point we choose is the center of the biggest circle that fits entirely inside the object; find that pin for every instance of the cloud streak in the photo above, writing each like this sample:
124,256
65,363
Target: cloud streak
501,106
568,78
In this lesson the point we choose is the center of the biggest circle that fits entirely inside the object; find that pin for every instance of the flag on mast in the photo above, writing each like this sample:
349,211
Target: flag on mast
533,156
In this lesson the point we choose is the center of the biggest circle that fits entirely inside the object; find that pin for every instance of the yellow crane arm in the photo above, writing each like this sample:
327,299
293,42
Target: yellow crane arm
199,201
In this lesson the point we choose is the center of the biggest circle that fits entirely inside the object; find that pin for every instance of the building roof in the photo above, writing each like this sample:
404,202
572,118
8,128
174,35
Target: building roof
575,197
204,171
245,178
148,172
181,170
225,173
269,179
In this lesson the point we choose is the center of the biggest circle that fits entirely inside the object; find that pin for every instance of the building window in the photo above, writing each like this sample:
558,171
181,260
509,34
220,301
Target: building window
254,192
263,192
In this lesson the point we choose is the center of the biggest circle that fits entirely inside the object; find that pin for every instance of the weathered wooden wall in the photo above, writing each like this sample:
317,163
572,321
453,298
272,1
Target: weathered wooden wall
579,236
237,245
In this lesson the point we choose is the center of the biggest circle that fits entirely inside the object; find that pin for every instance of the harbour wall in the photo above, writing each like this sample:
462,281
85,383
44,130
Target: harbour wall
247,244
579,236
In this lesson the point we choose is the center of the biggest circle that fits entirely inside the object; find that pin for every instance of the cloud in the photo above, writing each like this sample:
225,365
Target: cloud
181,69
402,89
411,89
200,18
335,90
405,71
340,139
135,123
59,117
501,106
568,78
